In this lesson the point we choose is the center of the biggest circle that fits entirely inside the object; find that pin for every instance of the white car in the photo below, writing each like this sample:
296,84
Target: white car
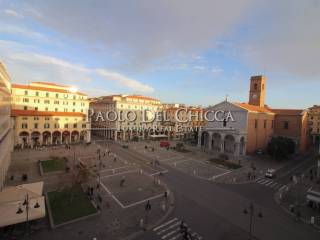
271,173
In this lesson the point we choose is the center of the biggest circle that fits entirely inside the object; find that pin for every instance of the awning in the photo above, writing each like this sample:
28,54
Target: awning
12,198
313,198
159,136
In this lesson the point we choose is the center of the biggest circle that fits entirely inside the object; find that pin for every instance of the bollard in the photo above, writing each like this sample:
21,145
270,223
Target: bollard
280,196
312,220
113,171
141,223
159,182
163,206
175,164
194,172
140,171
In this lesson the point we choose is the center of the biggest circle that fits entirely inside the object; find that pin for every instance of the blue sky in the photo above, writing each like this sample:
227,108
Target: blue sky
193,52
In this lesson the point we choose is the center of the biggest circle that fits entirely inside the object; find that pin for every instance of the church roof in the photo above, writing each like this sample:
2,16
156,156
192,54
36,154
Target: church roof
288,111
253,108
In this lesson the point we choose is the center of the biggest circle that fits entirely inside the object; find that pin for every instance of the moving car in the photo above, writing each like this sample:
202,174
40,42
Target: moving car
271,173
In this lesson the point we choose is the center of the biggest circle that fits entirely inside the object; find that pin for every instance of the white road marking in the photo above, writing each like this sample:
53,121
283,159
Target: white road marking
261,180
219,175
112,175
265,181
273,185
269,183
165,224
175,237
170,233
168,228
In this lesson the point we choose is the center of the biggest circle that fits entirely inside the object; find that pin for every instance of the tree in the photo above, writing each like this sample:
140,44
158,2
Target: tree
281,147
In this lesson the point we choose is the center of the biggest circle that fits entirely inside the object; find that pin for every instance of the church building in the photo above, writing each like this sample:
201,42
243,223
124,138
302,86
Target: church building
253,124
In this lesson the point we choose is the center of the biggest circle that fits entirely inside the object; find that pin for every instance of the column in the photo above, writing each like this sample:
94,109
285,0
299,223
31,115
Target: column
222,143
115,135
88,136
210,141
199,138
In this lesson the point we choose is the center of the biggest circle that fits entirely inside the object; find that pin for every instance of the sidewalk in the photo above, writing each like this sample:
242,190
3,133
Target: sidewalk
293,200
253,167
122,208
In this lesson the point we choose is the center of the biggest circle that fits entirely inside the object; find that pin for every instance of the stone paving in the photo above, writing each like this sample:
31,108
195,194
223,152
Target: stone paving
137,187
190,162
295,196
116,221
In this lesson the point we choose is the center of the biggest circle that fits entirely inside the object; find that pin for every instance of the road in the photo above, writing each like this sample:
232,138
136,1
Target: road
215,211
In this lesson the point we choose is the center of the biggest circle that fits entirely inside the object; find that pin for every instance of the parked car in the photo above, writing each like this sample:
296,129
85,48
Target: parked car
271,173
260,151
313,197
164,144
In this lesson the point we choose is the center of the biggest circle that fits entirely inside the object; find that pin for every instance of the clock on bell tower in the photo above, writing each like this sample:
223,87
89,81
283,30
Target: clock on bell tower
257,90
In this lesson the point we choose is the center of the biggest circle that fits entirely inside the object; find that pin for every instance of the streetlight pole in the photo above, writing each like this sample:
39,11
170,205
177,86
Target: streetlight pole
251,212
20,211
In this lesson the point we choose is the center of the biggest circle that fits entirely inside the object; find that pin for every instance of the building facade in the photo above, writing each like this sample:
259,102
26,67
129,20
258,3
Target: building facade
47,113
293,124
314,124
184,121
122,128
6,140
252,124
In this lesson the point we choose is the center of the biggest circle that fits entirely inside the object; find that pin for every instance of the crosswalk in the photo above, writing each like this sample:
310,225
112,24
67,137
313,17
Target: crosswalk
171,230
270,183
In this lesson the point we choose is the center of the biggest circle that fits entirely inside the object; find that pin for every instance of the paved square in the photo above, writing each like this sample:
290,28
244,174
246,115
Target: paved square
137,188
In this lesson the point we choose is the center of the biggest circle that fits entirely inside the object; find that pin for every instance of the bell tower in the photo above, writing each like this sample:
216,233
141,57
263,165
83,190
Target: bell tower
257,91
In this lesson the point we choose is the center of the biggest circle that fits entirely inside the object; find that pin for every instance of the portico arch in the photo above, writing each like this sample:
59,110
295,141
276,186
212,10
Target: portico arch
24,138
56,137
46,136
216,142
66,137
205,139
242,146
74,136
35,138
229,144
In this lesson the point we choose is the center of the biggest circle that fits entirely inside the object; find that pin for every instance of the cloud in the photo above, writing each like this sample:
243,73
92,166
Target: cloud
25,65
284,38
12,13
146,30
199,68
22,31
216,69
125,81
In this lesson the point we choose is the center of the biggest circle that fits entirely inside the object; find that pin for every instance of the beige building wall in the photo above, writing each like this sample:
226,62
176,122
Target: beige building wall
260,130
122,103
314,123
47,113
6,141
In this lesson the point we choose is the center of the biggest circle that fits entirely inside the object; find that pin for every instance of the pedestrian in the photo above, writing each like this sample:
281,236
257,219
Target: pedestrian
165,194
122,181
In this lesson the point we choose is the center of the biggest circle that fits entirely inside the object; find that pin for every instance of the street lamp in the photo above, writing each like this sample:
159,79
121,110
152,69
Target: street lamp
26,203
251,211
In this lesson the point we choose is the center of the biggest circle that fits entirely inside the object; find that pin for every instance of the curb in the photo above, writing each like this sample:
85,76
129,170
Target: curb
277,200
170,210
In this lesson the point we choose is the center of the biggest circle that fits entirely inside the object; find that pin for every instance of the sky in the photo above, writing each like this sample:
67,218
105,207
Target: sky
179,51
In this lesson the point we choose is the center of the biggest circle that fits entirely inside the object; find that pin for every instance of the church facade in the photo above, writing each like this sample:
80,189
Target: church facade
253,124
